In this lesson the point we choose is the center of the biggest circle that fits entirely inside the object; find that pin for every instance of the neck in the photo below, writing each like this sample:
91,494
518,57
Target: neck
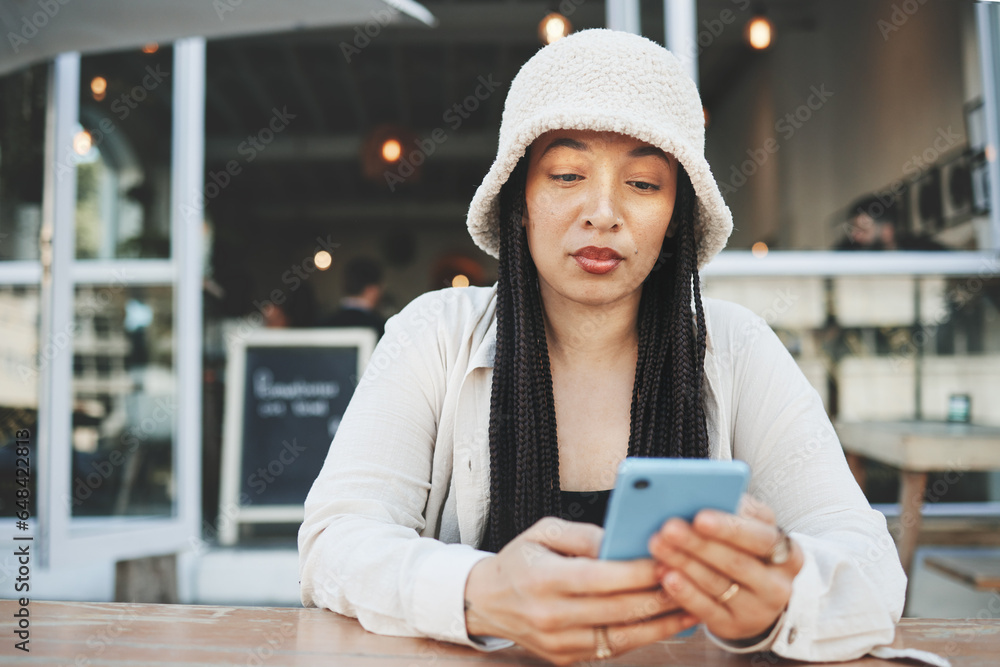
593,334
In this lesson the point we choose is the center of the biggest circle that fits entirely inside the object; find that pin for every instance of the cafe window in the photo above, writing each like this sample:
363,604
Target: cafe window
848,100
863,126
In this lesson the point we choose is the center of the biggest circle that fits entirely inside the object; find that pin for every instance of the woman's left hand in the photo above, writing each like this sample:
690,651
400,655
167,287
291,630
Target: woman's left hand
718,569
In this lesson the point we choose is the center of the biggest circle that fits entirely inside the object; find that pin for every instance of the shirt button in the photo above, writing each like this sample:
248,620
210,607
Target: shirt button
792,634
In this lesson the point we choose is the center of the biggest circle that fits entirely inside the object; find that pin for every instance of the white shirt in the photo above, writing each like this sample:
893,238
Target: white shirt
393,520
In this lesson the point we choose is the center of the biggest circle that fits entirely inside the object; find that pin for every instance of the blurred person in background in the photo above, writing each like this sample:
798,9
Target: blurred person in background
873,224
363,288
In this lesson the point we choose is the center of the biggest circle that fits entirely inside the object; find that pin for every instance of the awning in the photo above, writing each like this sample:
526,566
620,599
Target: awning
36,30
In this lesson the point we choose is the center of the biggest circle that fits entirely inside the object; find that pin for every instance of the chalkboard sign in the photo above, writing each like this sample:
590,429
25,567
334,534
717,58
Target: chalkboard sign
286,392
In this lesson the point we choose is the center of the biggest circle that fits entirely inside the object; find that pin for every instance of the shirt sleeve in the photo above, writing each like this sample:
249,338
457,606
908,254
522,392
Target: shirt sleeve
849,593
360,549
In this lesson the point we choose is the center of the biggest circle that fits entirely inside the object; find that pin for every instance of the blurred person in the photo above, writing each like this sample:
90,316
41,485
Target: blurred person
873,224
363,289
296,311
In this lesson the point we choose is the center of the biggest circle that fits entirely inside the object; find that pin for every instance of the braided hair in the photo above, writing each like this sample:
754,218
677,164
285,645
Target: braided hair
667,414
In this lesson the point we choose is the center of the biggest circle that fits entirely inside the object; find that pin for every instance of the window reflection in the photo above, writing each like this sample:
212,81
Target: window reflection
122,155
887,349
124,401
22,141
19,381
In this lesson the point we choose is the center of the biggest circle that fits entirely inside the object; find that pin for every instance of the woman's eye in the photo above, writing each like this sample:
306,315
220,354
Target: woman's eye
565,178
642,185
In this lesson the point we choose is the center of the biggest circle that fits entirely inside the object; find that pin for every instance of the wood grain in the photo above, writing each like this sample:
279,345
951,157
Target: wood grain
106,634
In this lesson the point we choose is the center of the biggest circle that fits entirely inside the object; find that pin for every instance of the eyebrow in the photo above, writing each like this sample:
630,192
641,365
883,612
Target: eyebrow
644,151
568,143
641,151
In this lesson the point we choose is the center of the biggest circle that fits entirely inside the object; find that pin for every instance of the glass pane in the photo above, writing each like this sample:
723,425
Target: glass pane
824,122
22,143
124,395
123,155
19,382
890,349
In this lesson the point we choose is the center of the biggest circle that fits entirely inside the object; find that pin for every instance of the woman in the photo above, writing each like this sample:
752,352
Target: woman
486,412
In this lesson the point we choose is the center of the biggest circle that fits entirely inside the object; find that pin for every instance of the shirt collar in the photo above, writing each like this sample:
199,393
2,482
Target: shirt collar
485,354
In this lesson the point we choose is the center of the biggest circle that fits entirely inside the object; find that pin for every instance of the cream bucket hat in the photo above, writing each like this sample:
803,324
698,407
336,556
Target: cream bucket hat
608,81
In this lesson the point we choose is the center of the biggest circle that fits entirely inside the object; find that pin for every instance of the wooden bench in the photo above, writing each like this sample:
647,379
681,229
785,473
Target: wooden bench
980,572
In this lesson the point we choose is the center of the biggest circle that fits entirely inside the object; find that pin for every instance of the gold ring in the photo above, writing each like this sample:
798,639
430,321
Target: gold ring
601,639
782,549
733,589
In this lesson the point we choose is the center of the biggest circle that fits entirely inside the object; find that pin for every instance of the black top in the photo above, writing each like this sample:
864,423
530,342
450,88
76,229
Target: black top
356,317
585,506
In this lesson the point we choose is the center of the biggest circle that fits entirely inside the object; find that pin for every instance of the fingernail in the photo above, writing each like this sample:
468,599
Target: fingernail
709,520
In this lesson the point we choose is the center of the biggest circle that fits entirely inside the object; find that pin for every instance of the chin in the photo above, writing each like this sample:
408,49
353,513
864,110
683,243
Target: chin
596,295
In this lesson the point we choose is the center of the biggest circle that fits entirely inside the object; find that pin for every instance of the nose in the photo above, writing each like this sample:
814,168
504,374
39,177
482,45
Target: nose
602,207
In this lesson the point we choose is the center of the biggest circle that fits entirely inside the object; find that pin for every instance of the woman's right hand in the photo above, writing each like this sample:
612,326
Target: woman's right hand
547,591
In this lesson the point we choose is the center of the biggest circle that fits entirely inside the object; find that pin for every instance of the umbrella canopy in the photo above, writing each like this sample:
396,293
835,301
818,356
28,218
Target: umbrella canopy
36,30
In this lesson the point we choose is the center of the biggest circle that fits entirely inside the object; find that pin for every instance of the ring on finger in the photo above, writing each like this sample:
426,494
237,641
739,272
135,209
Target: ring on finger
729,593
601,640
780,551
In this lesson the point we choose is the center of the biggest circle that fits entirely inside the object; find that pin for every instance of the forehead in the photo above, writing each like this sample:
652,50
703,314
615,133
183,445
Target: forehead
592,140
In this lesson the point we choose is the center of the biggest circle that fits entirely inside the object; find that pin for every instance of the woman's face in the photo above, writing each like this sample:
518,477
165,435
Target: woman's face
598,207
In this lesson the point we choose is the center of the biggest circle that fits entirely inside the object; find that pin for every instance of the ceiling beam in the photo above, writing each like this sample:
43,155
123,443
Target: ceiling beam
346,147
250,80
470,23
294,68
444,214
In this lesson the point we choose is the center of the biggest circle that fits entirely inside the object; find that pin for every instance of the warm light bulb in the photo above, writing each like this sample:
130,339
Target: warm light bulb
553,27
460,281
323,260
152,47
759,33
759,249
98,85
82,142
391,150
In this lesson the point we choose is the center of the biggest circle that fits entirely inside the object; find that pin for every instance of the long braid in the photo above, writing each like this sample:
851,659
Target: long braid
667,414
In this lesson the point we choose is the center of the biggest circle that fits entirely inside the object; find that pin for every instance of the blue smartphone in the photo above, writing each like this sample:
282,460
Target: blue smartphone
649,491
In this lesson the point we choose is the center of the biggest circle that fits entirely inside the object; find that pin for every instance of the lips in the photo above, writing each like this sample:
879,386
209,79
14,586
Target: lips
593,252
597,260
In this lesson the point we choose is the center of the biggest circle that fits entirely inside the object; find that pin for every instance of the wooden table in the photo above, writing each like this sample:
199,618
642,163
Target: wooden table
153,635
918,448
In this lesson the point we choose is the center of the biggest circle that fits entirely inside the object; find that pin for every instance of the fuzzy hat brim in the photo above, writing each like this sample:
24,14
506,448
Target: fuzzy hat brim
596,70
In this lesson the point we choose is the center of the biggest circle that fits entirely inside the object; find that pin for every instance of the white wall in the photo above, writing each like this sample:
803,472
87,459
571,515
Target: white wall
890,97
